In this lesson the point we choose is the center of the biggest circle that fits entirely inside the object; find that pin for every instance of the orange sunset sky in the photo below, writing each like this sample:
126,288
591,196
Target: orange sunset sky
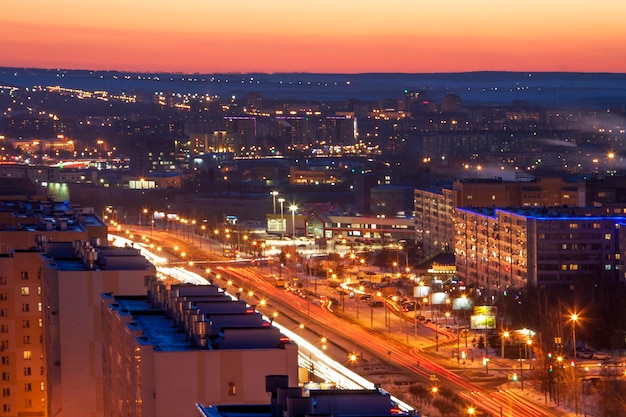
208,36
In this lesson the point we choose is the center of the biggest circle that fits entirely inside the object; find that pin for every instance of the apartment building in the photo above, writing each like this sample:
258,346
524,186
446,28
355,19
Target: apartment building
500,248
26,226
184,344
73,277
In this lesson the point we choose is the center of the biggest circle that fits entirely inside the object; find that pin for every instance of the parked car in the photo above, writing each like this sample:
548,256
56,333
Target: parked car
600,356
584,354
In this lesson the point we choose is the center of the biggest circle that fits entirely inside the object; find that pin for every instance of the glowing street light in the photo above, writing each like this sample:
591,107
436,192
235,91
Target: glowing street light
505,335
574,318
274,194
293,208
282,220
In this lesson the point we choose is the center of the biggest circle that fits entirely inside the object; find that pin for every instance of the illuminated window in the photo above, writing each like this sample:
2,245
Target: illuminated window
27,354
607,236
232,389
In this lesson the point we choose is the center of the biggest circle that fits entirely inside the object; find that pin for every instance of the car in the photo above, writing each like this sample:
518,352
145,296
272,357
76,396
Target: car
377,303
410,306
584,354
600,356
421,318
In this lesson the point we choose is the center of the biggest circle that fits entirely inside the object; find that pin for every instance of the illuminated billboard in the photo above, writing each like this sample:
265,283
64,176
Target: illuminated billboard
421,291
462,303
484,317
438,298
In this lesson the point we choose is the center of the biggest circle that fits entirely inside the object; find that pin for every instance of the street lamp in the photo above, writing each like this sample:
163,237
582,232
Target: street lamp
274,194
293,208
505,335
144,211
574,318
282,222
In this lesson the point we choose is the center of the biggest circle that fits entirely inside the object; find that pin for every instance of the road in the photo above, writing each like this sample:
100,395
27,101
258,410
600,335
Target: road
255,287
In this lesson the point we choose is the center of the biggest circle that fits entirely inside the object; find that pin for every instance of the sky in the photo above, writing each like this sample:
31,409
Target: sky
324,36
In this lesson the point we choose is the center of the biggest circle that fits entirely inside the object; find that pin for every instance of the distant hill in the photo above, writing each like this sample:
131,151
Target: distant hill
501,88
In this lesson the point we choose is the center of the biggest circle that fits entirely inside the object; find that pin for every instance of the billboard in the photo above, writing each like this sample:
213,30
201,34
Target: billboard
484,317
438,298
421,291
462,303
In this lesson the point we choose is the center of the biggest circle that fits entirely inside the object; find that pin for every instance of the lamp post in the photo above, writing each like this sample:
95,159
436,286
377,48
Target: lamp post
274,194
574,318
505,335
293,208
282,222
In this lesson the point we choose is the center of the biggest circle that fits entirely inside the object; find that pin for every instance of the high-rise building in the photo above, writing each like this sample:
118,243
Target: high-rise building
500,248
434,209
433,220
26,226
73,277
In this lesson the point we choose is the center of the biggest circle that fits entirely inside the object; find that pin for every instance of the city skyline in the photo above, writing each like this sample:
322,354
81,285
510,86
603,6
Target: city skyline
245,36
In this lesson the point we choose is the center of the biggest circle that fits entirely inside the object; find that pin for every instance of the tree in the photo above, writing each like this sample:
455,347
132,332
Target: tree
421,393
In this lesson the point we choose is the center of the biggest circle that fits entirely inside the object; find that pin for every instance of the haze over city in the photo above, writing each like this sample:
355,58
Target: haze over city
325,37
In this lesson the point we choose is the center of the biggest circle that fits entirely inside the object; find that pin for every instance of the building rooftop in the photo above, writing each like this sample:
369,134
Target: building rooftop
83,256
543,213
181,318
